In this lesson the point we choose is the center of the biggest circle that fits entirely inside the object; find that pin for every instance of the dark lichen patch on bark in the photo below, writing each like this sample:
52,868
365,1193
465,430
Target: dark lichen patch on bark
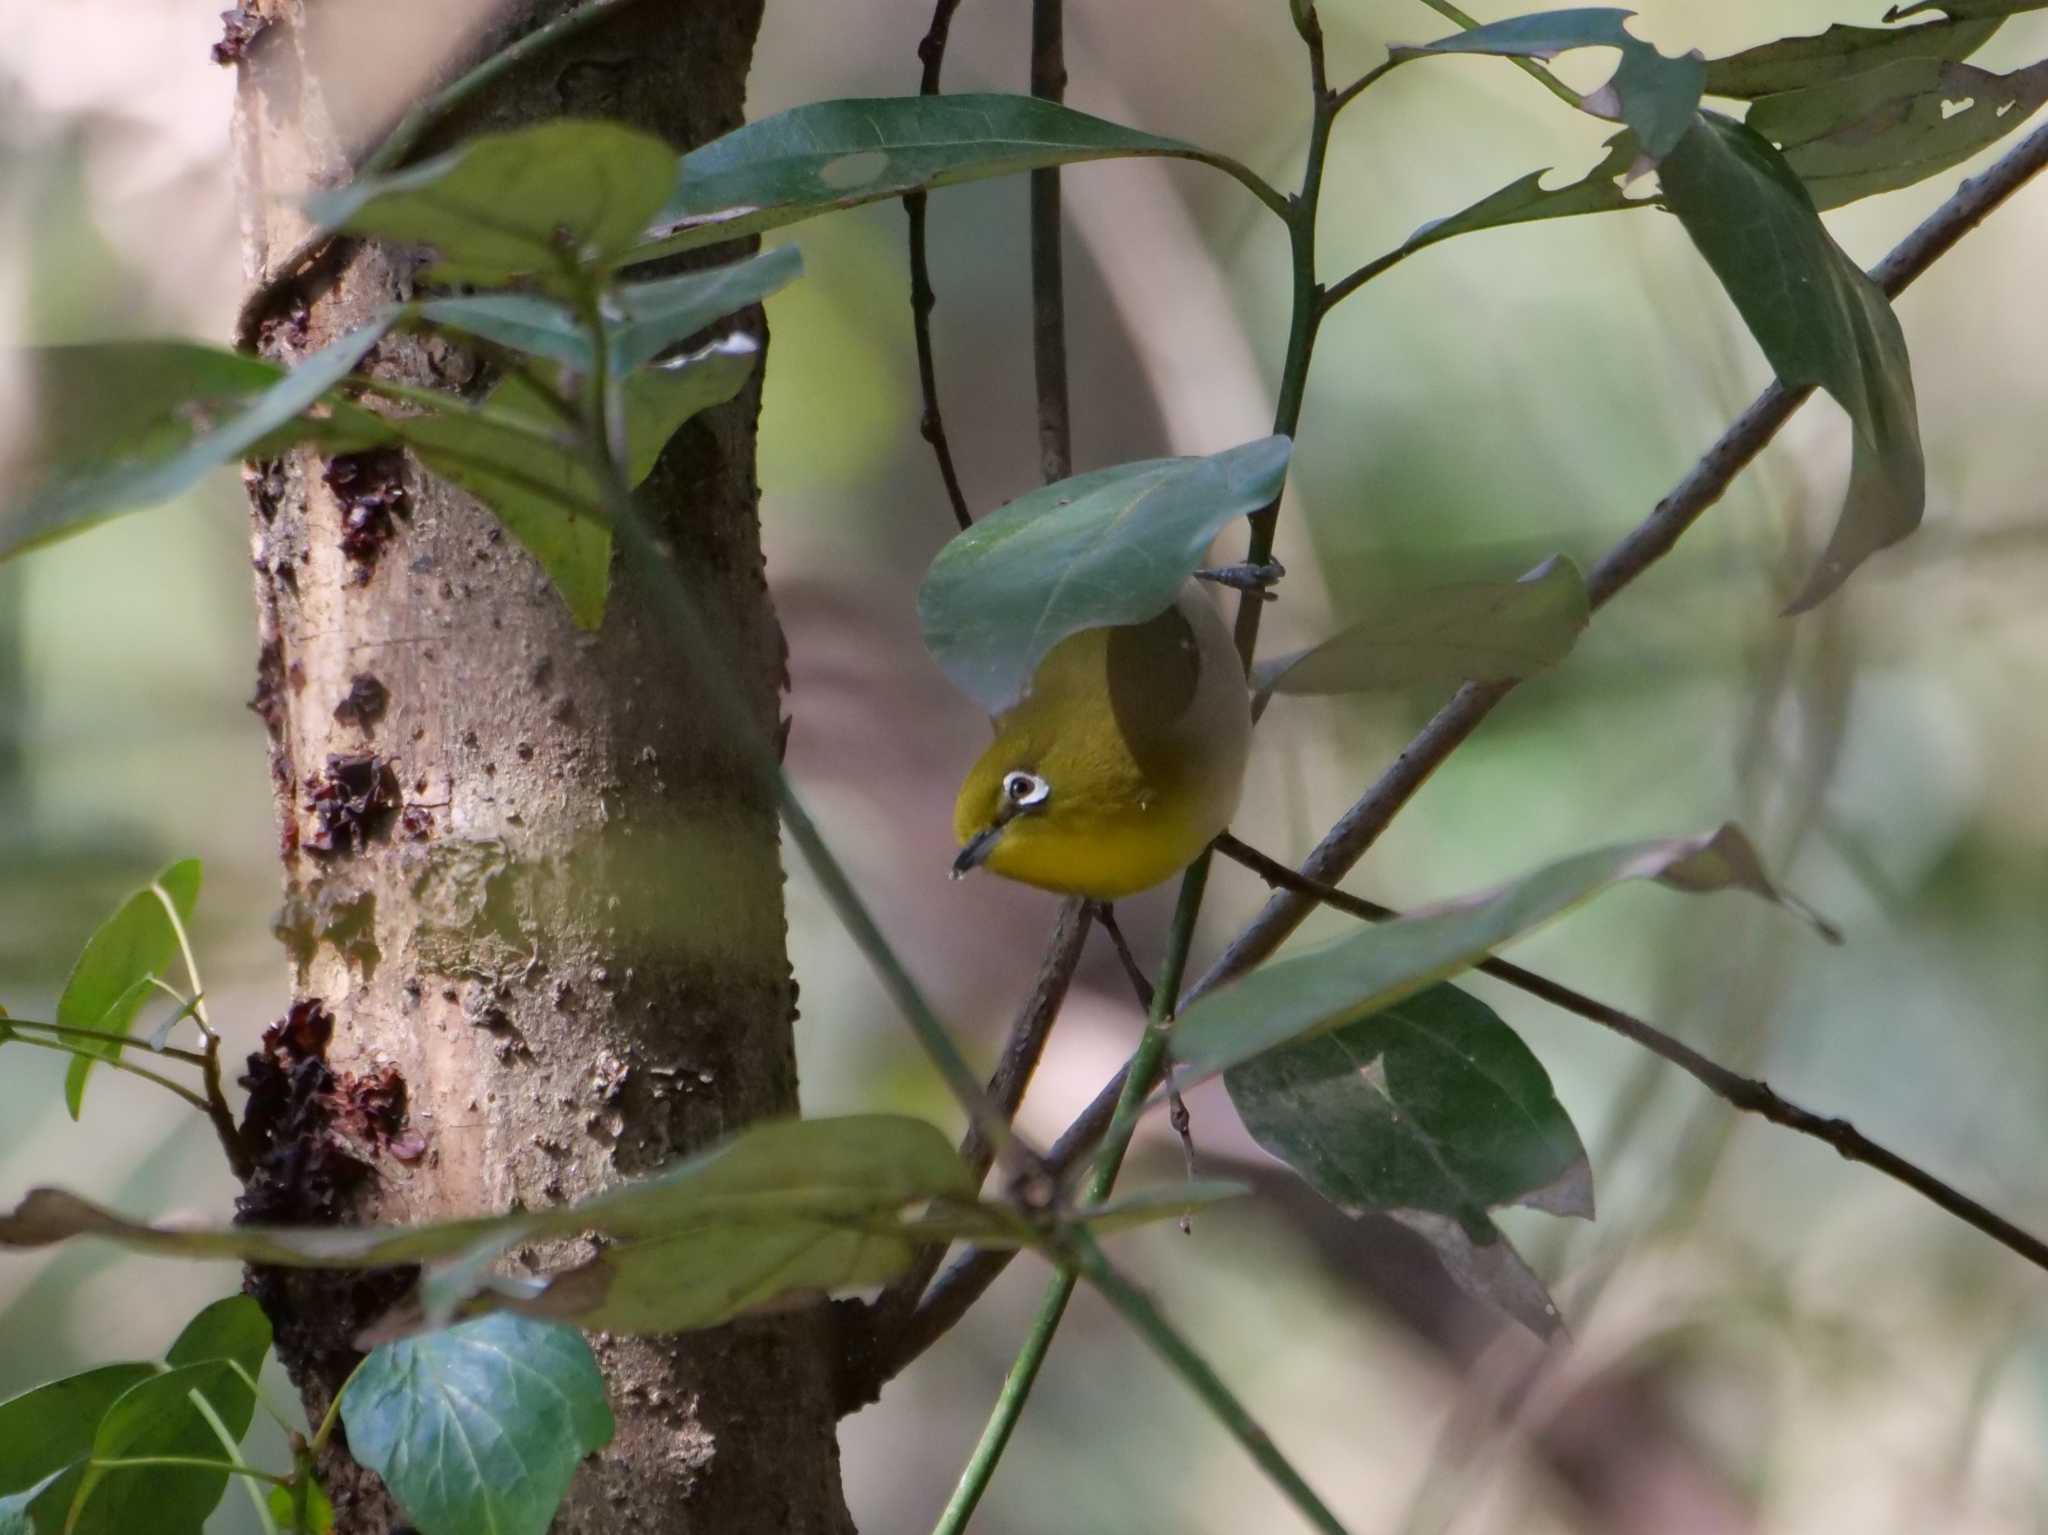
352,802
370,489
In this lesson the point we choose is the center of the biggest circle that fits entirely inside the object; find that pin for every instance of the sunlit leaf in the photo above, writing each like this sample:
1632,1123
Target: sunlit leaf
1819,320
112,974
1110,547
839,154
319,1510
1309,994
781,1208
1654,95
172,412
1431,1111
509,204
157,1417
1894,126
1797,63
1481,631
479,1427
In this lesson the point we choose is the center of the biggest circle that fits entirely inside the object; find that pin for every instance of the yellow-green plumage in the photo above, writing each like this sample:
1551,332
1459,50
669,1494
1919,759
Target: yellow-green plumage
1139,734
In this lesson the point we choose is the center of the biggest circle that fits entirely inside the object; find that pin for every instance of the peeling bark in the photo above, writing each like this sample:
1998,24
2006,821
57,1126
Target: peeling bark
539,899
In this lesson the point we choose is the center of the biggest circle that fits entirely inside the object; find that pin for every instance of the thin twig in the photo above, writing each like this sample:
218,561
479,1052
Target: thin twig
931,52
325,247
1048,282
105,1037
1133,971
961,1285
1529,67
1021,1053
118,1064
1748,1094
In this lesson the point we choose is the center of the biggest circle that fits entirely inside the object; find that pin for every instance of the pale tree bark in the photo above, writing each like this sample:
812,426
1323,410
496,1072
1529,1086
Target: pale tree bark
536,901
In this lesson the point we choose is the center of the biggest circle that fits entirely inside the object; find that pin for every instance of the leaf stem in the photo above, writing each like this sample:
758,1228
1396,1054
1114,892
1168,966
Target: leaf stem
1529,67
232,1447
198,1003
119,1064
1048,283
188,1463
104,1036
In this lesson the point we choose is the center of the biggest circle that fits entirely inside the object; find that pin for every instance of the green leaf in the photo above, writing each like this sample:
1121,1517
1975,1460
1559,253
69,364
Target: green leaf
1298,998
1110,547
1481,631
659,314
151,446
781,1208
525,322
481,1427
319,1510
1894,126
1654,95
157,1417
1429,1108
509,204
511,454
1819,320
47,1432
1797,63
112,974
839,154
233,1328
1600,190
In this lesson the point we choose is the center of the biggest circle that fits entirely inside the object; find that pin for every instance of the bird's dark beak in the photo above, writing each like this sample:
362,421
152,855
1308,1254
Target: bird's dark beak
979,847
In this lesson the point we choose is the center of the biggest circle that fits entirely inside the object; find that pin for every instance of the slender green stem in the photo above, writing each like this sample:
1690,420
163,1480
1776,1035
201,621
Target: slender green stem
198,1003
1009,1408
1363,83
1146,1061
1146,1319
118,1064
188,1463
263,1401
232,1447
1529,67
331,1419
105,1037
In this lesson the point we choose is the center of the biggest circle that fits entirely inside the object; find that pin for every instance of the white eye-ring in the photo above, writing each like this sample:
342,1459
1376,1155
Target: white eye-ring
1026,790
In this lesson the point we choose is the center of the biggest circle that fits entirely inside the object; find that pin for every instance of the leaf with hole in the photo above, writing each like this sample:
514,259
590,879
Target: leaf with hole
158,1417
559,194
1654,95
1300,997
1481,631
1820,321
1799,63
1600,190
130,425
113,972
829,155
1434,1112
1894,126
1109,547
479,1427
1963,10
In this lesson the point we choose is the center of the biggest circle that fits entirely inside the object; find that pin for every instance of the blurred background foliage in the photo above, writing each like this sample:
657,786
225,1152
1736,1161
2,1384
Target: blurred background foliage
1765,1337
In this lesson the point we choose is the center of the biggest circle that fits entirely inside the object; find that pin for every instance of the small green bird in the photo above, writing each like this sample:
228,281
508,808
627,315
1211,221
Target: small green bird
1122,762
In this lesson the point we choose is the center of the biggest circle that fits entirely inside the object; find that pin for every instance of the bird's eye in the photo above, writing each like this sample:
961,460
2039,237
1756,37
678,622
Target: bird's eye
1025,790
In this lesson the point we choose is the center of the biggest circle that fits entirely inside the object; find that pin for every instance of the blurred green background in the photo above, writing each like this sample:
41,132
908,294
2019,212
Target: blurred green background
1765,1337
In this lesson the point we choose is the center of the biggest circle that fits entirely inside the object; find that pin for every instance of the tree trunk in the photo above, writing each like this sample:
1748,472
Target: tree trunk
534,908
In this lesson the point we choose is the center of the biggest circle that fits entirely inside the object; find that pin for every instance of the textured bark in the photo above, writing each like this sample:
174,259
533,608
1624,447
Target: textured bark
551,903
